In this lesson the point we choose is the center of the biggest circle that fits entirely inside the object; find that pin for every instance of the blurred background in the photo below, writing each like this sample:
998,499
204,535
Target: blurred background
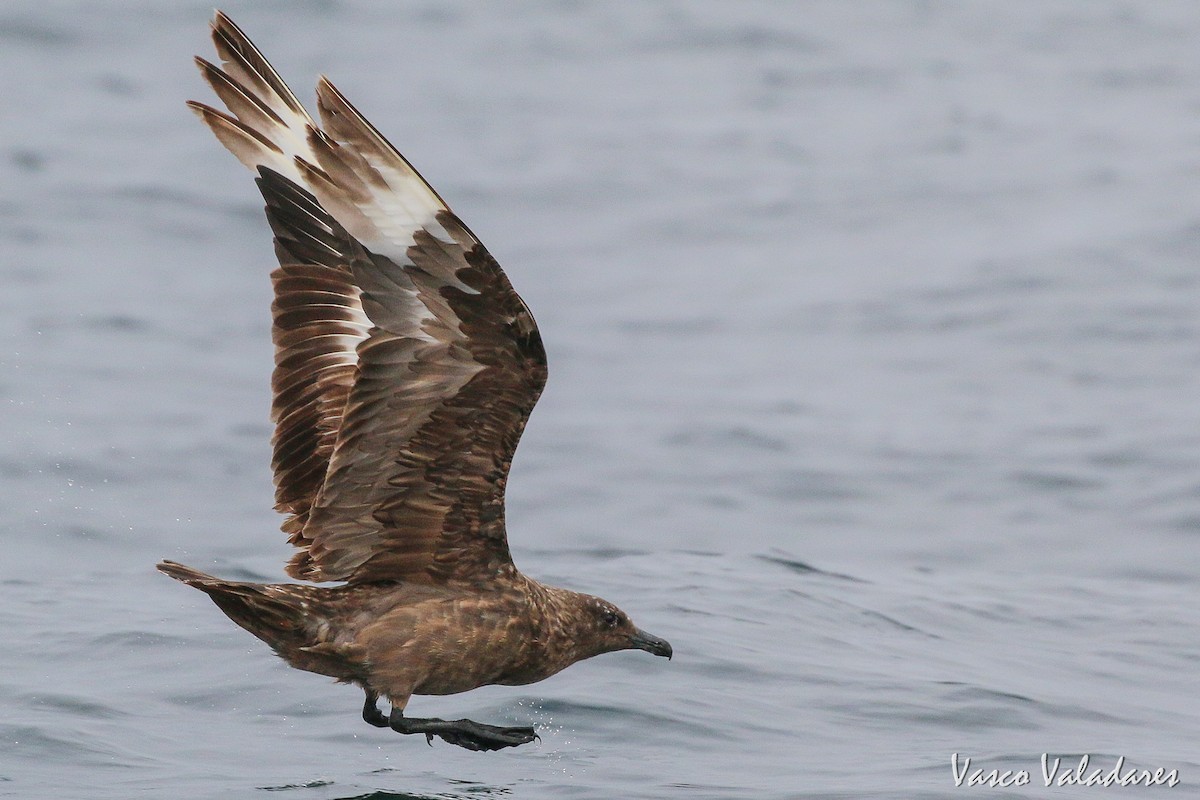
874,357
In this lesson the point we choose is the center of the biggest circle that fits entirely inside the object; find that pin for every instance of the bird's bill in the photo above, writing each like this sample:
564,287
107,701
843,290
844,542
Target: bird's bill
651,644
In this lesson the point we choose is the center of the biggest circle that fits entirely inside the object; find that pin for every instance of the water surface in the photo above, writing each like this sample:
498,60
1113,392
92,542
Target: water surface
874,372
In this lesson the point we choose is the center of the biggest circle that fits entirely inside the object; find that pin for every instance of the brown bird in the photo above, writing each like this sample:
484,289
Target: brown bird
406,367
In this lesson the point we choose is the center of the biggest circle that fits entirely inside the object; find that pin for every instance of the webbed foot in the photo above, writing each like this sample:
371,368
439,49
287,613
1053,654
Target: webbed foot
463,732
477,736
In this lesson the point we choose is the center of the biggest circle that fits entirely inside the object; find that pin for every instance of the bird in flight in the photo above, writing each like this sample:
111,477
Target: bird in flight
406,367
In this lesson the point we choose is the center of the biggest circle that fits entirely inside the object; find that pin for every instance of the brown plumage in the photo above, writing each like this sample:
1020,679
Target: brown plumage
406,367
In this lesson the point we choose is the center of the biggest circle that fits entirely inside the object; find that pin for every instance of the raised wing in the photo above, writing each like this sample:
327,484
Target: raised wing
406,365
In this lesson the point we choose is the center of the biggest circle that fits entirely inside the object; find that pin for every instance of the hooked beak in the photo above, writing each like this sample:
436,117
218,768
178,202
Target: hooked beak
651,644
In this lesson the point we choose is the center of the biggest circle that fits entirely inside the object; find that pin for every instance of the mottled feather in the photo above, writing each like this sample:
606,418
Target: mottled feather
406,364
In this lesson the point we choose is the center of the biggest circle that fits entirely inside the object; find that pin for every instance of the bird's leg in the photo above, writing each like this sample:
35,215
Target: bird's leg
371,712
462,732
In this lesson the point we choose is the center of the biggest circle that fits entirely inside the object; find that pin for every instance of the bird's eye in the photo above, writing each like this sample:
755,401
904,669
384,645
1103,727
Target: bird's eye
611,619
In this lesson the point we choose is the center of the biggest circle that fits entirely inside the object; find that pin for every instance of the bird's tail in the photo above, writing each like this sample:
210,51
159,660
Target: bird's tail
285,616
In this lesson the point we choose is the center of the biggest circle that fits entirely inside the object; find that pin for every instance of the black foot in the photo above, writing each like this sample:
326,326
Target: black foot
477,736
462,732
371,712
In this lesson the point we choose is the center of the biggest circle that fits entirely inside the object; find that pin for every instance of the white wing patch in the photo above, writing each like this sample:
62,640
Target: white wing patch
353,172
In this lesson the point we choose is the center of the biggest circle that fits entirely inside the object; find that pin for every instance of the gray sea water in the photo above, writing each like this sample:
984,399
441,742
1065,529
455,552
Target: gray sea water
874,338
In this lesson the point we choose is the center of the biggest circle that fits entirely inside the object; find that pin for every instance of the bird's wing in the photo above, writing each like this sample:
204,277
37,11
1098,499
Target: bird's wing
406,364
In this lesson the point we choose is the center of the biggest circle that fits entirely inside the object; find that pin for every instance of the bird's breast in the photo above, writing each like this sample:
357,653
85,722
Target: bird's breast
454,645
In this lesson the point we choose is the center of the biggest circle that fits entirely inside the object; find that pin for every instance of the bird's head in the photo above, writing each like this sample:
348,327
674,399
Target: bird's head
601,627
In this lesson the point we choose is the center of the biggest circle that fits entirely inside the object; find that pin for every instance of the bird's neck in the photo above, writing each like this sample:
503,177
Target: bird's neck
553,614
